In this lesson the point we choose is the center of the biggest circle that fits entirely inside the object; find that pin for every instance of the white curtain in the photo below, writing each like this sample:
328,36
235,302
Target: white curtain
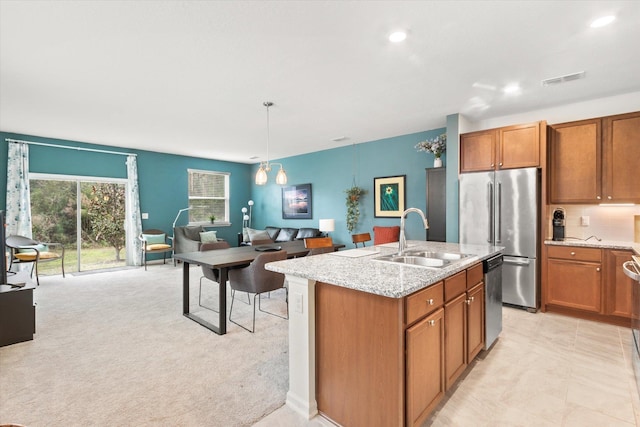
18,201
133,221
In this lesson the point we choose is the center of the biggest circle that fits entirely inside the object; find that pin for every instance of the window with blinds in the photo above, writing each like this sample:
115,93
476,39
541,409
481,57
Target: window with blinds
208,195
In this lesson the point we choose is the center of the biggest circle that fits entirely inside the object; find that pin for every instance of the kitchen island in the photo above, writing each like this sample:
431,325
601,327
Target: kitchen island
367,337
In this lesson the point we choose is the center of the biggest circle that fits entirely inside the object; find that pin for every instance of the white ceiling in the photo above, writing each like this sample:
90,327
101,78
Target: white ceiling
190,77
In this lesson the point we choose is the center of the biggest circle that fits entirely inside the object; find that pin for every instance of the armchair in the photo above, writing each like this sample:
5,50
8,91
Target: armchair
26,250
187,238
153,242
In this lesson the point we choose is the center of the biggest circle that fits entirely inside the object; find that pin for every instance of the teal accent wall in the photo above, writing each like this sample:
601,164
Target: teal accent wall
162,177
330,173
163,181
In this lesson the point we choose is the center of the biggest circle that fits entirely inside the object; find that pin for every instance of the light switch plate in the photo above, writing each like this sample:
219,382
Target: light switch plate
145,215
584,221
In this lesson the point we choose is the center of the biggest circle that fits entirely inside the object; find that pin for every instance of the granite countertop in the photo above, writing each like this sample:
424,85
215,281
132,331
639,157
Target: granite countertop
357,269
593,243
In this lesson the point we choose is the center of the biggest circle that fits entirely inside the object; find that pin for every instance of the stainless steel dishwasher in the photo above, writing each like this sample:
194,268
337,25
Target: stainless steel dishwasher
492,268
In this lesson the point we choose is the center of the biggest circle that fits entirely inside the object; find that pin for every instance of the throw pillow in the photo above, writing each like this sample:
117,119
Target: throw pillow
257,234
208,236
154,239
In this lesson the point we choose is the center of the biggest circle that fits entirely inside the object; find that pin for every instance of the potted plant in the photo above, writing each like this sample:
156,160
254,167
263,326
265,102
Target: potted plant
212,217
353,206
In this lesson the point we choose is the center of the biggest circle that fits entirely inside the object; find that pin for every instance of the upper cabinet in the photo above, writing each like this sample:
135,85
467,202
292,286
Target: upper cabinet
595,161
503,148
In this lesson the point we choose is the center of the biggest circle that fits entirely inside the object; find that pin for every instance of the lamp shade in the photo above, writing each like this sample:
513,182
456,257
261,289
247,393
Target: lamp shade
327,225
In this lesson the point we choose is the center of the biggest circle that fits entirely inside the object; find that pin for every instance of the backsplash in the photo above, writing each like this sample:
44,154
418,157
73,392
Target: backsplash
605,222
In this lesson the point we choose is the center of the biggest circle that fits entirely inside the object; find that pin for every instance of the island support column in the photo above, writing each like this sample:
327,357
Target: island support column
301,396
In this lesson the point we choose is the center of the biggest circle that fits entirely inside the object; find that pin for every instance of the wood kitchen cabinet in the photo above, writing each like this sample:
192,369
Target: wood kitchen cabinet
503,148
574,277
619,287
464,321
595,160
425,366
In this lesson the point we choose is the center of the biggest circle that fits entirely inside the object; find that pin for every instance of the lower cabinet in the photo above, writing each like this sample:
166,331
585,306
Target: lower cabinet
384,361
589,282
619,289
425,366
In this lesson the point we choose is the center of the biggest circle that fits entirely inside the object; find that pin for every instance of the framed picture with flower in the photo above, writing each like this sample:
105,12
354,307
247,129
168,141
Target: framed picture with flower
389,195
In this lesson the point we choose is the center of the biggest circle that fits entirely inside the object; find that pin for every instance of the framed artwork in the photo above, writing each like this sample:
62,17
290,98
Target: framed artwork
389,196
296,202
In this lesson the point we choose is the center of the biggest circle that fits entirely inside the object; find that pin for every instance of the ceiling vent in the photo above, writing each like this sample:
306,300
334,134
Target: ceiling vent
563,79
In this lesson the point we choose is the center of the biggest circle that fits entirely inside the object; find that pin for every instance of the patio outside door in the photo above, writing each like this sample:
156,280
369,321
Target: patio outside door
86,215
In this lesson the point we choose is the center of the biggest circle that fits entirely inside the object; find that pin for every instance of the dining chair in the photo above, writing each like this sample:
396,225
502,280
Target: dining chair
319,245
360,238
255,279
210,273
261,242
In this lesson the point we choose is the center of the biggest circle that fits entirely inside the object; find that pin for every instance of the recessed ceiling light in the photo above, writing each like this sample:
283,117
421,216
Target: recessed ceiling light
601,22
511,89
397,36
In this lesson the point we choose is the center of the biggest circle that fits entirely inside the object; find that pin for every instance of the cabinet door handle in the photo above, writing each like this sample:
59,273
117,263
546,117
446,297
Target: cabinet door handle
492,165
430,301
432,322
573,254
470,300
598,269
609,197
598,197
500,164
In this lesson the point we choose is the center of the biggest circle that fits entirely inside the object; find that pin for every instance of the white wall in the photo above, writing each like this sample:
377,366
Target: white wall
609,106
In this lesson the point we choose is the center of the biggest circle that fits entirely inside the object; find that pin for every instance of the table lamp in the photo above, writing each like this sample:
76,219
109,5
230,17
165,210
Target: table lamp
327,225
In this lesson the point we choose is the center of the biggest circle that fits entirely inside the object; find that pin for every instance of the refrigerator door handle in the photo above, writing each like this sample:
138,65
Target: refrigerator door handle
490,202
499,213
516,261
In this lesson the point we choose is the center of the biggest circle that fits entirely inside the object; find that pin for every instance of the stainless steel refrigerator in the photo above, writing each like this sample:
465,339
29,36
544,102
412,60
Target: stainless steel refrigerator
502,208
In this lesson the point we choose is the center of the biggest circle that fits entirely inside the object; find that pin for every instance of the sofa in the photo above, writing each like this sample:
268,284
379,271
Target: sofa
277,234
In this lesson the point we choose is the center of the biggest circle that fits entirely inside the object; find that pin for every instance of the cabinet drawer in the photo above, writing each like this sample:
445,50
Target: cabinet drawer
423,302
455,285
474,275
575,253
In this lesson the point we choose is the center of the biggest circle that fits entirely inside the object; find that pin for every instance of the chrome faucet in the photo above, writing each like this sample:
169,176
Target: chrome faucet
402,243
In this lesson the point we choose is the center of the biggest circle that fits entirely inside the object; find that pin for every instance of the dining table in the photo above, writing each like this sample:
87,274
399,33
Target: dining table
223,260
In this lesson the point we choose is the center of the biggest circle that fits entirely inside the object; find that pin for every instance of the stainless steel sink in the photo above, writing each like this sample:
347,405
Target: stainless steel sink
424,259
414,260
439,255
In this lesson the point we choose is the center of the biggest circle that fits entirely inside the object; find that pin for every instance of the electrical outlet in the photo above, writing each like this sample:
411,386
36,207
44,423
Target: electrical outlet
584,221
145,215
297,302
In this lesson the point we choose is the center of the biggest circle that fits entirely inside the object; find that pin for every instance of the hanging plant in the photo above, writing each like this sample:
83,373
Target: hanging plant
353,206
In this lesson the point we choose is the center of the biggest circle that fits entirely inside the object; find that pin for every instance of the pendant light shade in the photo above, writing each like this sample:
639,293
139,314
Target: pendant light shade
265,167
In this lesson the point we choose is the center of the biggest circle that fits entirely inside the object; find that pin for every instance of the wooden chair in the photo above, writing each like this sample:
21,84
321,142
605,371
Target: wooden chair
257,280
319,245
386,234
360,238
153,242
259,242
25,250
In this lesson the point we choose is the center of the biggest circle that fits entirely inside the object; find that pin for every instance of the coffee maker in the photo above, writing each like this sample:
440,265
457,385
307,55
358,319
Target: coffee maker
558,224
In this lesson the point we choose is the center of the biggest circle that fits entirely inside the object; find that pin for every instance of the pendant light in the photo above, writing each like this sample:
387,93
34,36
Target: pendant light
261,175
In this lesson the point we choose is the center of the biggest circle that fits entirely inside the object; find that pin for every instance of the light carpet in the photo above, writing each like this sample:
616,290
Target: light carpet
114,349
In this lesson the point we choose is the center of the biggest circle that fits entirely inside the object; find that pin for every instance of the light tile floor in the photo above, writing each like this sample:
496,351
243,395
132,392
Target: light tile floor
545,370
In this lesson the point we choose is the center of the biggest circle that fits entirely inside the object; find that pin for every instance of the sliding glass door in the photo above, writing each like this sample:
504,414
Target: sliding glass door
85,214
